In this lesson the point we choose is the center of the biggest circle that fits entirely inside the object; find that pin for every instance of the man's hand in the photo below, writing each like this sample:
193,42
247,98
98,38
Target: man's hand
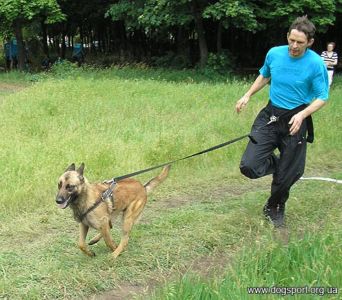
241,103
296,122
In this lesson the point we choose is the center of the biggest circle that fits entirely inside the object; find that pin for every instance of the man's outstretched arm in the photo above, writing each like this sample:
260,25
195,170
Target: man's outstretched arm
258,84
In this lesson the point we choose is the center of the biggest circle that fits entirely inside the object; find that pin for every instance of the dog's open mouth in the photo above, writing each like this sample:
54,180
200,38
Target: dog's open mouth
63,203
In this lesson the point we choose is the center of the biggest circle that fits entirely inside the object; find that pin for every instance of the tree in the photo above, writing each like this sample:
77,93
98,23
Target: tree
18,13
164,16
238,14
174,30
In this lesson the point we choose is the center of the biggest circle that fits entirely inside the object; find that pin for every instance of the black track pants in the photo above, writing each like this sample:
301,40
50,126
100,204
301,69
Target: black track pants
259,159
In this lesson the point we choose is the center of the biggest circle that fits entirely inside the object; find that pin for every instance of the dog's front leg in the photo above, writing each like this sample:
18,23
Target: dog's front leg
82,240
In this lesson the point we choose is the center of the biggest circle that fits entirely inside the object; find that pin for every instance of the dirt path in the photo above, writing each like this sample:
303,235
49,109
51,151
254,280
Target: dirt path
8,88
205,267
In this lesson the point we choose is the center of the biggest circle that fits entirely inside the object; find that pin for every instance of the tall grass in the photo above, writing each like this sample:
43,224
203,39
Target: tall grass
121,120
304,264
114,125
308,268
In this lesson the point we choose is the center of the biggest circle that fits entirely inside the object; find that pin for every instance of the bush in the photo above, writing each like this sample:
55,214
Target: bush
64,68
222,63
170,59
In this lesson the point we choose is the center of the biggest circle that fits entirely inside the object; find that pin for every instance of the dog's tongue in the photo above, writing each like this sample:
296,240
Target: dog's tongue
63,205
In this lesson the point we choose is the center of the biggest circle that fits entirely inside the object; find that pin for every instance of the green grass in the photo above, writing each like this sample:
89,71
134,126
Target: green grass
307,255
121,120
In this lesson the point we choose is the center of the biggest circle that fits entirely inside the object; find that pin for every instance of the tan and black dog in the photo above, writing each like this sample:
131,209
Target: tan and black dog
129,198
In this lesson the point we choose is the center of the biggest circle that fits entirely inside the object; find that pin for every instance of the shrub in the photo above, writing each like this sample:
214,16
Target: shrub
64,68
173,60
220,63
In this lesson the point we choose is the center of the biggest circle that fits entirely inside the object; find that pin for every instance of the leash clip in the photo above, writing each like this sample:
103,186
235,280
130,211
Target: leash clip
273,119
108,192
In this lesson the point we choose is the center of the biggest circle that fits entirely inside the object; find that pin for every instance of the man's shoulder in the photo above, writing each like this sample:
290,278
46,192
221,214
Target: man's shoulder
277,52
312,55
279,49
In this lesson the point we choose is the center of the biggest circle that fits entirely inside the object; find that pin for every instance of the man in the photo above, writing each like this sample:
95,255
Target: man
298,88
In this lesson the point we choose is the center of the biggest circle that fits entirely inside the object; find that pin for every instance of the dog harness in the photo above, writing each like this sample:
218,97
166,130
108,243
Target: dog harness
107,194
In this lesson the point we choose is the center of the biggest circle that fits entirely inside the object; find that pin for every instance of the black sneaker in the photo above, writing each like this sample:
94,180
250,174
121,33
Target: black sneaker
276,215
280,220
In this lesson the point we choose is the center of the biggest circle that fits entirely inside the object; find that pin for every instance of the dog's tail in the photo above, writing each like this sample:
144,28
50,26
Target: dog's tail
154,182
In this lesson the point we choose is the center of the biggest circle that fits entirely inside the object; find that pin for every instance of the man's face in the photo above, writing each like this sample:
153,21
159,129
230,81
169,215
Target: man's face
298,43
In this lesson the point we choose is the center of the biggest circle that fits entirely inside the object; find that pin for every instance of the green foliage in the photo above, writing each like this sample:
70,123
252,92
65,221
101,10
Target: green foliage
222,64
10,10
166,13
240,14
126,10
321,13
171,60
151,13
64,69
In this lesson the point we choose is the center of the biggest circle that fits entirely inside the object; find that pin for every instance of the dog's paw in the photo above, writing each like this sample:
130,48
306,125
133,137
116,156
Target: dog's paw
92,254
87,251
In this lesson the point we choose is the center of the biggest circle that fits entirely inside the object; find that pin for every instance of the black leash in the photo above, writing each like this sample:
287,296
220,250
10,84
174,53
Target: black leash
273,119
116,179
109,192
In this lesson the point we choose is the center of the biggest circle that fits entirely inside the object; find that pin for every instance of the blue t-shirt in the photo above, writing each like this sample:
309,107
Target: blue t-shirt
295,81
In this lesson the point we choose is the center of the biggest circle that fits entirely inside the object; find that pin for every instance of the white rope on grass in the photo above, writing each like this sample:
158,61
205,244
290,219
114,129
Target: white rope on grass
322,178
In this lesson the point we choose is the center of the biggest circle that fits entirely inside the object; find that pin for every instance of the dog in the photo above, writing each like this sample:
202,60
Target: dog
128,198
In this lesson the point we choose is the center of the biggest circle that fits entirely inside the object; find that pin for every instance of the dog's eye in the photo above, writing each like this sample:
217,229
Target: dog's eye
59,185
70,187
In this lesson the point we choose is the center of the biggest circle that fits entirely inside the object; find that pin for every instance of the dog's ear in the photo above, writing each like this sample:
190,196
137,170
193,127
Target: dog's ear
72,167
81,169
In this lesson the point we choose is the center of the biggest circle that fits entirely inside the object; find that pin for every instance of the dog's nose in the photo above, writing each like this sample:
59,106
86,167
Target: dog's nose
59,199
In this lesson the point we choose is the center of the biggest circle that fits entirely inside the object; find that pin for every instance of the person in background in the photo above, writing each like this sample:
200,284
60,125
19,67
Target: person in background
330,59
298,87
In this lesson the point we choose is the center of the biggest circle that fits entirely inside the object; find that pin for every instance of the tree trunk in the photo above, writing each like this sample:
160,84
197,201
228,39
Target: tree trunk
63,45
219,37
44,39
182,42
199,27
20,44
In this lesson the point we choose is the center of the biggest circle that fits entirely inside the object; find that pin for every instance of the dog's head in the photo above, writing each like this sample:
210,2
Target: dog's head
70,185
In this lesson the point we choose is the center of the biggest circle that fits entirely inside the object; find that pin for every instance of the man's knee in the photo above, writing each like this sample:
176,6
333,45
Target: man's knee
248,170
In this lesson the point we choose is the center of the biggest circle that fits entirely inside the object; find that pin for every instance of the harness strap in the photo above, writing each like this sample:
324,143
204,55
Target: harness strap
108,193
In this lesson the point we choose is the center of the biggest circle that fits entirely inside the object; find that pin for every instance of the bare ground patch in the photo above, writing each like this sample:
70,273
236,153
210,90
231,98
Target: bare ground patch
9,88
204,267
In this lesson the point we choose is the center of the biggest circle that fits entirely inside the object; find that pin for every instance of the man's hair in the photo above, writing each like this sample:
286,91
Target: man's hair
304,25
